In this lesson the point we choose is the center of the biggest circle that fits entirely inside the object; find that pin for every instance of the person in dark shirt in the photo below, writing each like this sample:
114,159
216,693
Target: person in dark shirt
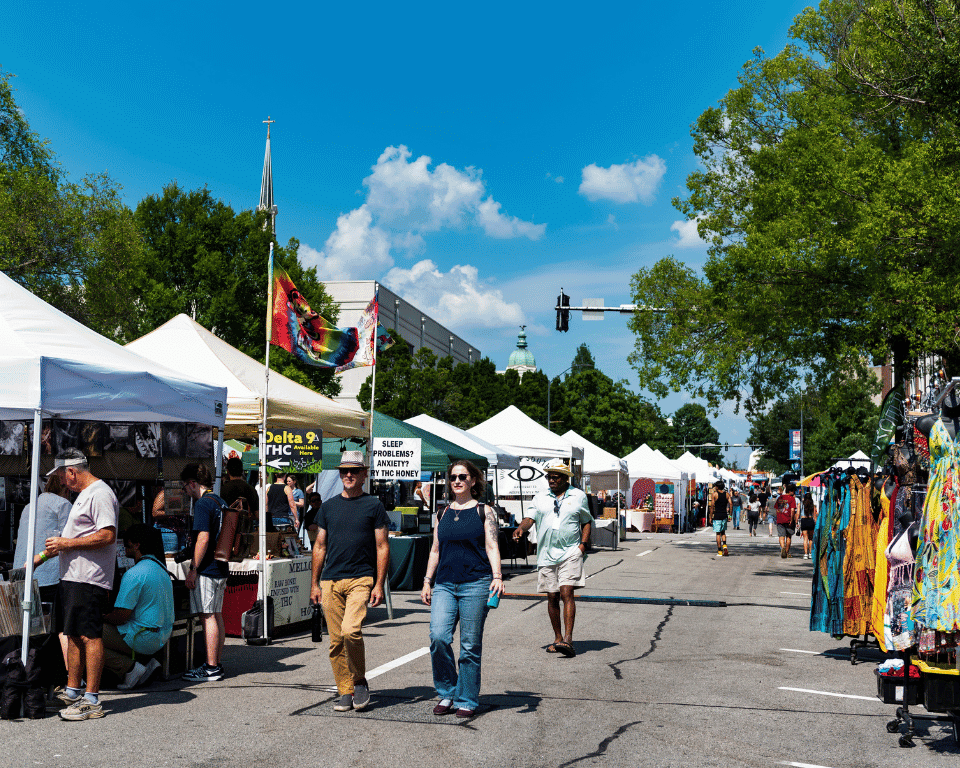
350,559
720,502
207,578
236,487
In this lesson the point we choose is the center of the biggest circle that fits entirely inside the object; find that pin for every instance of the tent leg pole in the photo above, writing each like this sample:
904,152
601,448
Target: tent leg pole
218,462
31,535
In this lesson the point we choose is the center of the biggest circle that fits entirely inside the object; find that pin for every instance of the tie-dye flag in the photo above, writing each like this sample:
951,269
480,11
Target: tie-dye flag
369,337
302,332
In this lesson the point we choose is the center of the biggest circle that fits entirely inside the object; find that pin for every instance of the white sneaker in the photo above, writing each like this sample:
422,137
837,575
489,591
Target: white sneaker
133,677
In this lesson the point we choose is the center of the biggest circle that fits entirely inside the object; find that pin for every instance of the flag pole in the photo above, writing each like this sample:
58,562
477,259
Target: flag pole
261,453
373,381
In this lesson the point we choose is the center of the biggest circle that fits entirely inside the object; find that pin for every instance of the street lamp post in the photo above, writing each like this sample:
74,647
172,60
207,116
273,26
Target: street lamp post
549,381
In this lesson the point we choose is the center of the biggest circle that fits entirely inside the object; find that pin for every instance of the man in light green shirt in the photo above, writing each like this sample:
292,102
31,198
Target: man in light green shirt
563,521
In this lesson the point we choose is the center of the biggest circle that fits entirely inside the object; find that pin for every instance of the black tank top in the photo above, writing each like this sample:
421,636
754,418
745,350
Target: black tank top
277,503
720,505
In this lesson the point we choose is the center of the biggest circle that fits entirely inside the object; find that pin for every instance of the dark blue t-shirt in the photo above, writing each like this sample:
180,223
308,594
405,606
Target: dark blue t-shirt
351,542
206,517
463,556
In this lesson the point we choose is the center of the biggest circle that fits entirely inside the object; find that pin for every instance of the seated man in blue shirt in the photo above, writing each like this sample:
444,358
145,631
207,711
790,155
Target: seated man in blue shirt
142,618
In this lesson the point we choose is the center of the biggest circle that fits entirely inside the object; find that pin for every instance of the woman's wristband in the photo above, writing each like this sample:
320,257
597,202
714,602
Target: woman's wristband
43,558
428,580
498,577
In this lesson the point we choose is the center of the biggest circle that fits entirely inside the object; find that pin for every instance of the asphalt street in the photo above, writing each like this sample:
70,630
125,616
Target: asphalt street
654,683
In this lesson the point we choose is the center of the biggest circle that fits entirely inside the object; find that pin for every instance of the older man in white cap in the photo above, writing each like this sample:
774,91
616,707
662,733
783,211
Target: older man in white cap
350,559
88,558
563,522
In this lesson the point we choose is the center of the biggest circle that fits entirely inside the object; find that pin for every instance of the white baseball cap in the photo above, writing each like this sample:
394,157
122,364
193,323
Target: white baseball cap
59,464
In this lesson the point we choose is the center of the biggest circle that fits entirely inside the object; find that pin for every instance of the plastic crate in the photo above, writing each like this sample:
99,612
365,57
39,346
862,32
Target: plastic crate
896,689
941,692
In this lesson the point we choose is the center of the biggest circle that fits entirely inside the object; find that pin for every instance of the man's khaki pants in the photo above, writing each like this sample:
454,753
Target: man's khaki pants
345,607
117,655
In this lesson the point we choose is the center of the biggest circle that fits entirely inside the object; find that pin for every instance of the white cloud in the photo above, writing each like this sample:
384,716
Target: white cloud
612,221
626,183
687,230
356,249
458,296
559,179
406,200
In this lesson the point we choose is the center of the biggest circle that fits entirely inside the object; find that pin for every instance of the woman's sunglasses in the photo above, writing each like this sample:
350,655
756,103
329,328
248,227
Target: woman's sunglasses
462,478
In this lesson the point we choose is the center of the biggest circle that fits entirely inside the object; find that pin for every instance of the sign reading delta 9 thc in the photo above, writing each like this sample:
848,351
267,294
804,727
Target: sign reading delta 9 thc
294,450
395,458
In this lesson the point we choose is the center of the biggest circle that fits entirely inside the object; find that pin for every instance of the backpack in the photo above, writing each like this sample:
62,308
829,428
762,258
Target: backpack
235,521
784,513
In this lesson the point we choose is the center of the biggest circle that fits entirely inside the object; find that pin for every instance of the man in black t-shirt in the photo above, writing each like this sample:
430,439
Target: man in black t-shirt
235,486
350,559
720,508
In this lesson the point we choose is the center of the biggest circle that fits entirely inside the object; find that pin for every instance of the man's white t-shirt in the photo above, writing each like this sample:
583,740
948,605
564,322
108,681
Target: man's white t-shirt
96,508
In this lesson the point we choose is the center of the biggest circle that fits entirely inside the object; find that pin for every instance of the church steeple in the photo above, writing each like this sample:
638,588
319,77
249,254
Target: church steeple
266,186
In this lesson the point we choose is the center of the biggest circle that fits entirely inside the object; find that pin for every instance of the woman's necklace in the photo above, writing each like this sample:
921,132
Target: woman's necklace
456,512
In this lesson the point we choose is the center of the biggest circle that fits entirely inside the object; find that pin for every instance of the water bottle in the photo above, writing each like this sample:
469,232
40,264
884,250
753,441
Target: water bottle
494,600
316,624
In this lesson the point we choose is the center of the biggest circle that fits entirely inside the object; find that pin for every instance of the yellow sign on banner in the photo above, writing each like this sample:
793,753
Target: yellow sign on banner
294,450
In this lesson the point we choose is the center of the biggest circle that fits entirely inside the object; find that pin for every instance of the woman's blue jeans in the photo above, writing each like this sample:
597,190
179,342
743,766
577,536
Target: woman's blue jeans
466,604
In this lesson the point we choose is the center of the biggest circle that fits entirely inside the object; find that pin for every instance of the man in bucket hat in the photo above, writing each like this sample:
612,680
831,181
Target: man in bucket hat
88,557
350,559
563,523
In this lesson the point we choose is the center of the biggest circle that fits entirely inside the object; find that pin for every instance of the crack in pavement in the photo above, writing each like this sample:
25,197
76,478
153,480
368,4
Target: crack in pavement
612,565
615,665
602,746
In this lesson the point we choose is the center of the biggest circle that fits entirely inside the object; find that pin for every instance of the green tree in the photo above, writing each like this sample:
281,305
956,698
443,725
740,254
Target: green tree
73,244
828,200
204,260
692,427
583,359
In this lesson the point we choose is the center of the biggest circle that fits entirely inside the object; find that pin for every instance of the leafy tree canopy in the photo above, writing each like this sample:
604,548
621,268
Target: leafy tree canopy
692,427
828,199
73,244
583,359
204,260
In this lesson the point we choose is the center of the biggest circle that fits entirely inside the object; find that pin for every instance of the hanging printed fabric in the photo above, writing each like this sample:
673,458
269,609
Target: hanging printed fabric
891,417
303,333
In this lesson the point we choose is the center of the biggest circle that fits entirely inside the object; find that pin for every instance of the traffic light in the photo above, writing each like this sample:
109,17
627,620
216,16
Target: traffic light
563,314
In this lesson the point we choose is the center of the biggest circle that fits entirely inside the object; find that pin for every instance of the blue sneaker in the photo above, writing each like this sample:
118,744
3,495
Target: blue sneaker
204,674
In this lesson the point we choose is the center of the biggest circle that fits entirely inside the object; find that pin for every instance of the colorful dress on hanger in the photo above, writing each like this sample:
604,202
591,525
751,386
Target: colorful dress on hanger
899,631
936,589
880,580
826,610
859,561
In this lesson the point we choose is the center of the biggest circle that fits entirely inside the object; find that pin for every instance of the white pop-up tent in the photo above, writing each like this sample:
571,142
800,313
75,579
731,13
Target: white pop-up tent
497,457
186,346
647,464
514,432
606,471
52,366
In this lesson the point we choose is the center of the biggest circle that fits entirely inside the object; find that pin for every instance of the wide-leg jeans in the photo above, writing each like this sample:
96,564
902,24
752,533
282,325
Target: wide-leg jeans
465,604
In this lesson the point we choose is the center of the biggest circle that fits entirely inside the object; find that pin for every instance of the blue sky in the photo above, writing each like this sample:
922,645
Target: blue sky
474,158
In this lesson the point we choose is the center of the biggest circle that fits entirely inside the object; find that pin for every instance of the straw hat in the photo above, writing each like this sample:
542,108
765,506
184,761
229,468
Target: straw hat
559,466
352,460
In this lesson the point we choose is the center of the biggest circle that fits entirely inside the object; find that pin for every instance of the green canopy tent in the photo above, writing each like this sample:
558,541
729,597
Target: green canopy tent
436,454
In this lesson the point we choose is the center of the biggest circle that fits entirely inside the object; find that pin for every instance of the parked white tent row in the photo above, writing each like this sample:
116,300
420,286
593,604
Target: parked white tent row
516,433
497,456
52,366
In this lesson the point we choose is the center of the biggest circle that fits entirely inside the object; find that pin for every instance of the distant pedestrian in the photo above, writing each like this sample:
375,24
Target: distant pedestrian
563,524
807,524
753,514
720,514
765,512
786,515
737,501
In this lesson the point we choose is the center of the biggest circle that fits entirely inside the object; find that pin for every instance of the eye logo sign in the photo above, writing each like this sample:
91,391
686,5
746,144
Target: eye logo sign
525,474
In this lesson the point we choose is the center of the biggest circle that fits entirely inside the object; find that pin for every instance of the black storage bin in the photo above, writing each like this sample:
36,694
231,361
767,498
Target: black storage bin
941,692
896,689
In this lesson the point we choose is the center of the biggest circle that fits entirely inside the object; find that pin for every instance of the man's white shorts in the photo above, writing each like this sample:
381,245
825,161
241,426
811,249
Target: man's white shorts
207,596
568,573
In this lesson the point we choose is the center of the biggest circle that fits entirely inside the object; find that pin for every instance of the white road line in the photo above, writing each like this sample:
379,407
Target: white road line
398,662
802,594
817,653
802,765
645,553
826,693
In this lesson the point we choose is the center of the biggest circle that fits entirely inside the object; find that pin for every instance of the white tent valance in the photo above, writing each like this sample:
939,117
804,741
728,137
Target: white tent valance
187,346
516,433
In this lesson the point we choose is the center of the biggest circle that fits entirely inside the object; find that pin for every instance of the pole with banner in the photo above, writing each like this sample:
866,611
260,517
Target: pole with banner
261,444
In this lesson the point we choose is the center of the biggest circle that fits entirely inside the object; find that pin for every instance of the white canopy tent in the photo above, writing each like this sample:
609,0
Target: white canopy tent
646,463
497,457
513,431
187,346
52,366
696,467
606,471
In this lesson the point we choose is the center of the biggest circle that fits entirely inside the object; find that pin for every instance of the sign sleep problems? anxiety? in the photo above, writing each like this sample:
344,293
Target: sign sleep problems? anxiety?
395,458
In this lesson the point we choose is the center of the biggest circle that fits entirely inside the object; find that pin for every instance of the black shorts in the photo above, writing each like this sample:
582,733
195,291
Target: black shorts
83,608
807,524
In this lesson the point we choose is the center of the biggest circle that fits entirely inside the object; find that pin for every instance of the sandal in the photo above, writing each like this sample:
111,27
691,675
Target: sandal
566,649
552,648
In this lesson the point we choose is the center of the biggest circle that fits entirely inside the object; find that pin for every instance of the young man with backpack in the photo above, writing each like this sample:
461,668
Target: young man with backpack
207,578
786,517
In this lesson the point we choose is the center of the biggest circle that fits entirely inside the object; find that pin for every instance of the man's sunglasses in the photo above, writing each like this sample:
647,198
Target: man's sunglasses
351,471
462,478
